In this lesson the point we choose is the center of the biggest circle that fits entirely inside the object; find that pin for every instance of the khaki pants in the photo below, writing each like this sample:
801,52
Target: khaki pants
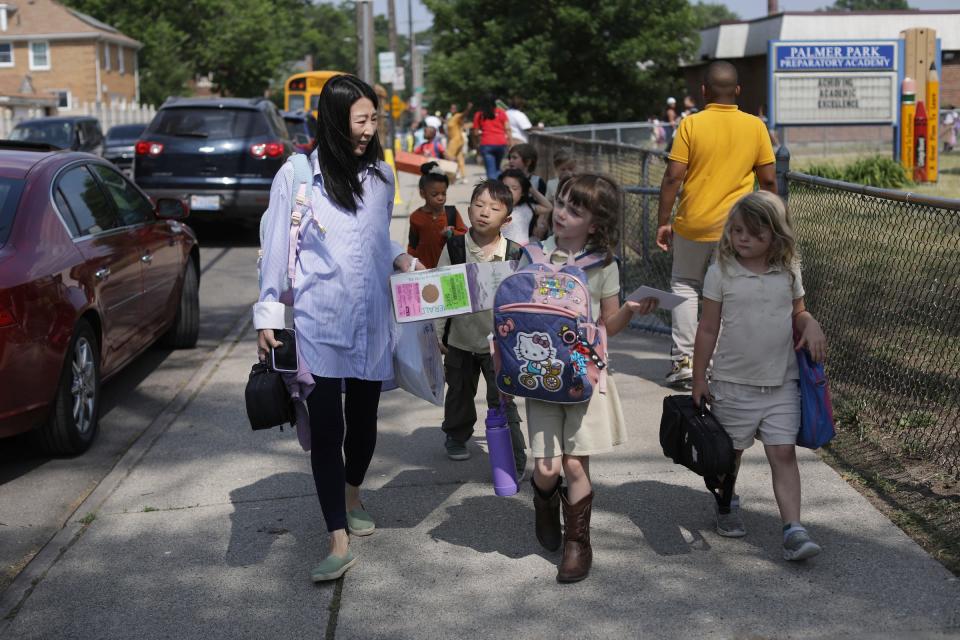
690,262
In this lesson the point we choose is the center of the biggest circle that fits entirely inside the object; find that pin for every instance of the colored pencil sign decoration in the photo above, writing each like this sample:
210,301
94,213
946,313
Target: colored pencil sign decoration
919,104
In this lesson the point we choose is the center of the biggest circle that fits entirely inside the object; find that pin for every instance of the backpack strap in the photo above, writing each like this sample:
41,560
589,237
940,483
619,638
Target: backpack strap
302,204
535,254
514,250
457,249
451,215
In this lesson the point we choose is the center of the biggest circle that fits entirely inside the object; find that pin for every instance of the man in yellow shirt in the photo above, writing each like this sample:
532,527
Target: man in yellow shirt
715,155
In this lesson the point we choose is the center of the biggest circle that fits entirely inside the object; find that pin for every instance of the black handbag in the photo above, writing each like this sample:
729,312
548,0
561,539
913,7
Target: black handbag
691,436
268,400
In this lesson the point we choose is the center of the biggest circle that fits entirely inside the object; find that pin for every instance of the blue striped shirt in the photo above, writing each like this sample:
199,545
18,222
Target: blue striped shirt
342,309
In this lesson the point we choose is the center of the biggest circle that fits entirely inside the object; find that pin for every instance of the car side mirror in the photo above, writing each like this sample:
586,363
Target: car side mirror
171,209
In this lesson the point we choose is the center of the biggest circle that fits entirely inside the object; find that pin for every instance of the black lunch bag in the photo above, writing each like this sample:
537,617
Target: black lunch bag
268,400
691,436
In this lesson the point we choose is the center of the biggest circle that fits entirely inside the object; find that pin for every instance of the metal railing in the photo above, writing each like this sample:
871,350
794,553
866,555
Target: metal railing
881,269
647,135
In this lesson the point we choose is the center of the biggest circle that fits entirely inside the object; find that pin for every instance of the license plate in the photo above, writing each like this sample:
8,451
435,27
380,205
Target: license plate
205,203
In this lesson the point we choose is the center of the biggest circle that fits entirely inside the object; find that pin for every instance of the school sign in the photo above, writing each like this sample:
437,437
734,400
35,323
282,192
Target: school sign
842,82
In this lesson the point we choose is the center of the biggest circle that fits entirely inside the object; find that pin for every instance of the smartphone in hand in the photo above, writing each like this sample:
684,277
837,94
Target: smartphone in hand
283,359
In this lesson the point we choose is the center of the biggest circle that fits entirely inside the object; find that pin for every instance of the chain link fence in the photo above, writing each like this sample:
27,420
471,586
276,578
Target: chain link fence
882,273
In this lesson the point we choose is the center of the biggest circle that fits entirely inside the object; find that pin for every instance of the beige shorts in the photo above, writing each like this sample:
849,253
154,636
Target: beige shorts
746,411
580,429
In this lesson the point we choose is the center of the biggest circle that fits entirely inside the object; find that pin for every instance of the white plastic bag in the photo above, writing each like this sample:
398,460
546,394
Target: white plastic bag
417,361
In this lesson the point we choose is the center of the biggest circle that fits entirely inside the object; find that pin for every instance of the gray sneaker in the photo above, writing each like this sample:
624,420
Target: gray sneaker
730,525
799,546
682,371
456,450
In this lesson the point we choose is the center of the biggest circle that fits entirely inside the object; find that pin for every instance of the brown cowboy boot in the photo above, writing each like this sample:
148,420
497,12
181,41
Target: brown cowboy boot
577,553
547,507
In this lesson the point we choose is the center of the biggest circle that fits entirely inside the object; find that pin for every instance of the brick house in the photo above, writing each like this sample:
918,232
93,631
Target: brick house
52,50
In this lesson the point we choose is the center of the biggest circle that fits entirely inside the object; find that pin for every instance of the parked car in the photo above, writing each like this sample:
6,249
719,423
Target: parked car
302,128
218,155
78,133
91,274
119,145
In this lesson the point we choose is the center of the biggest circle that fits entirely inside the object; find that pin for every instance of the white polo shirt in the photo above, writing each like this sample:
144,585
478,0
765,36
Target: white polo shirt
755,345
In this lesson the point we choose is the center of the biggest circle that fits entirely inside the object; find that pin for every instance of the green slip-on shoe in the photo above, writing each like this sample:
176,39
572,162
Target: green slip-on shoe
359,522
332,567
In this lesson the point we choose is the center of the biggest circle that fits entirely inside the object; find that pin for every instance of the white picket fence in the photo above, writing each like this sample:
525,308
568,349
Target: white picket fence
108,115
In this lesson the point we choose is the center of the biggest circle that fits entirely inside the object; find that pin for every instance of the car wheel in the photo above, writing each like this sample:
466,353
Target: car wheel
74,419
186,326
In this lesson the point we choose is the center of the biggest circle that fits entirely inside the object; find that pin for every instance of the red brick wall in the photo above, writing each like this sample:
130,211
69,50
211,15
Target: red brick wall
950,82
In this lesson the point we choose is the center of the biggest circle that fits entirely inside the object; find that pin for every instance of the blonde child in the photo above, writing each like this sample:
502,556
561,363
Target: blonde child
434,222
465,341
755,293
564,436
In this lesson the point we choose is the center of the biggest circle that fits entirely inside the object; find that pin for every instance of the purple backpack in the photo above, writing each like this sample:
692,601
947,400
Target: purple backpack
816,408
546,343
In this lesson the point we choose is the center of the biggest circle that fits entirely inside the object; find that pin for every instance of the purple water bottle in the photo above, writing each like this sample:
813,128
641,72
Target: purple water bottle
501,453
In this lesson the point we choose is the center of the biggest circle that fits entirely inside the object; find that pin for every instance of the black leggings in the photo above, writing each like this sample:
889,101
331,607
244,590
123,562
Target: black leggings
329,447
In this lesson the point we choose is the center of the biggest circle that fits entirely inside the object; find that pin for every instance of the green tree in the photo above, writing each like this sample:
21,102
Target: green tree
330,36
572,60
708,14
248,41
163,71
870,5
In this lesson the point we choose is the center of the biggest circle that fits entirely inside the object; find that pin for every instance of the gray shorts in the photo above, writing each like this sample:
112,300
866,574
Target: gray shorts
748,412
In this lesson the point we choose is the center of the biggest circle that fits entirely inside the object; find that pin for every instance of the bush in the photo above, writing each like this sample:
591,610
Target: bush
875,171
828,171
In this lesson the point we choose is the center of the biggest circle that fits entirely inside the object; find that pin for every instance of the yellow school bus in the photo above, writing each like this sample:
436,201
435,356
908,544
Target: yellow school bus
302,90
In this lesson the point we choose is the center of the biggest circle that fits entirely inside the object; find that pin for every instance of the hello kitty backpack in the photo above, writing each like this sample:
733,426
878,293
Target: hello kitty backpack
546,344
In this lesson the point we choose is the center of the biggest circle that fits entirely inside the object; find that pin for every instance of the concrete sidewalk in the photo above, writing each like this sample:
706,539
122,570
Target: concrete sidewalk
214,532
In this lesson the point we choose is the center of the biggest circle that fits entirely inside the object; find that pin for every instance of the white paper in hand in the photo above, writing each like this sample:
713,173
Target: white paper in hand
666,299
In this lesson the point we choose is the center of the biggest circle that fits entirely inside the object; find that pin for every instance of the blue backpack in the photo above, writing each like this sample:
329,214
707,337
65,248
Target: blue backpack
816,408
546,343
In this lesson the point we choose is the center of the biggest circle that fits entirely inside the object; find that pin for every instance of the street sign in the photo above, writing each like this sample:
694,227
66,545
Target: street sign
399,79
397,106
387,63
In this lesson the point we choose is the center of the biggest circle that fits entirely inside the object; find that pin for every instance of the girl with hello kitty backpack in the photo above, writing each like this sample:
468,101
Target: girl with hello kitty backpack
557,360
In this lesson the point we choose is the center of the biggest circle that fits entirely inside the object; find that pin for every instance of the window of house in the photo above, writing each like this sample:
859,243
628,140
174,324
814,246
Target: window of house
64,99
6,54
106,56
121,67
39,55
3,17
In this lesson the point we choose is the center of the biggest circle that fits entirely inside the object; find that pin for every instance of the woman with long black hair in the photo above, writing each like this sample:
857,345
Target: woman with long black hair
341,303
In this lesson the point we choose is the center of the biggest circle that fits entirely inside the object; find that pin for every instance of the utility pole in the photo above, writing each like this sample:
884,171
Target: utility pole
392,26
413,44
365,42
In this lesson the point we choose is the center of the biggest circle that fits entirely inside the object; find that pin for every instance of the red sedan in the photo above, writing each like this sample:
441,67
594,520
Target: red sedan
91,274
